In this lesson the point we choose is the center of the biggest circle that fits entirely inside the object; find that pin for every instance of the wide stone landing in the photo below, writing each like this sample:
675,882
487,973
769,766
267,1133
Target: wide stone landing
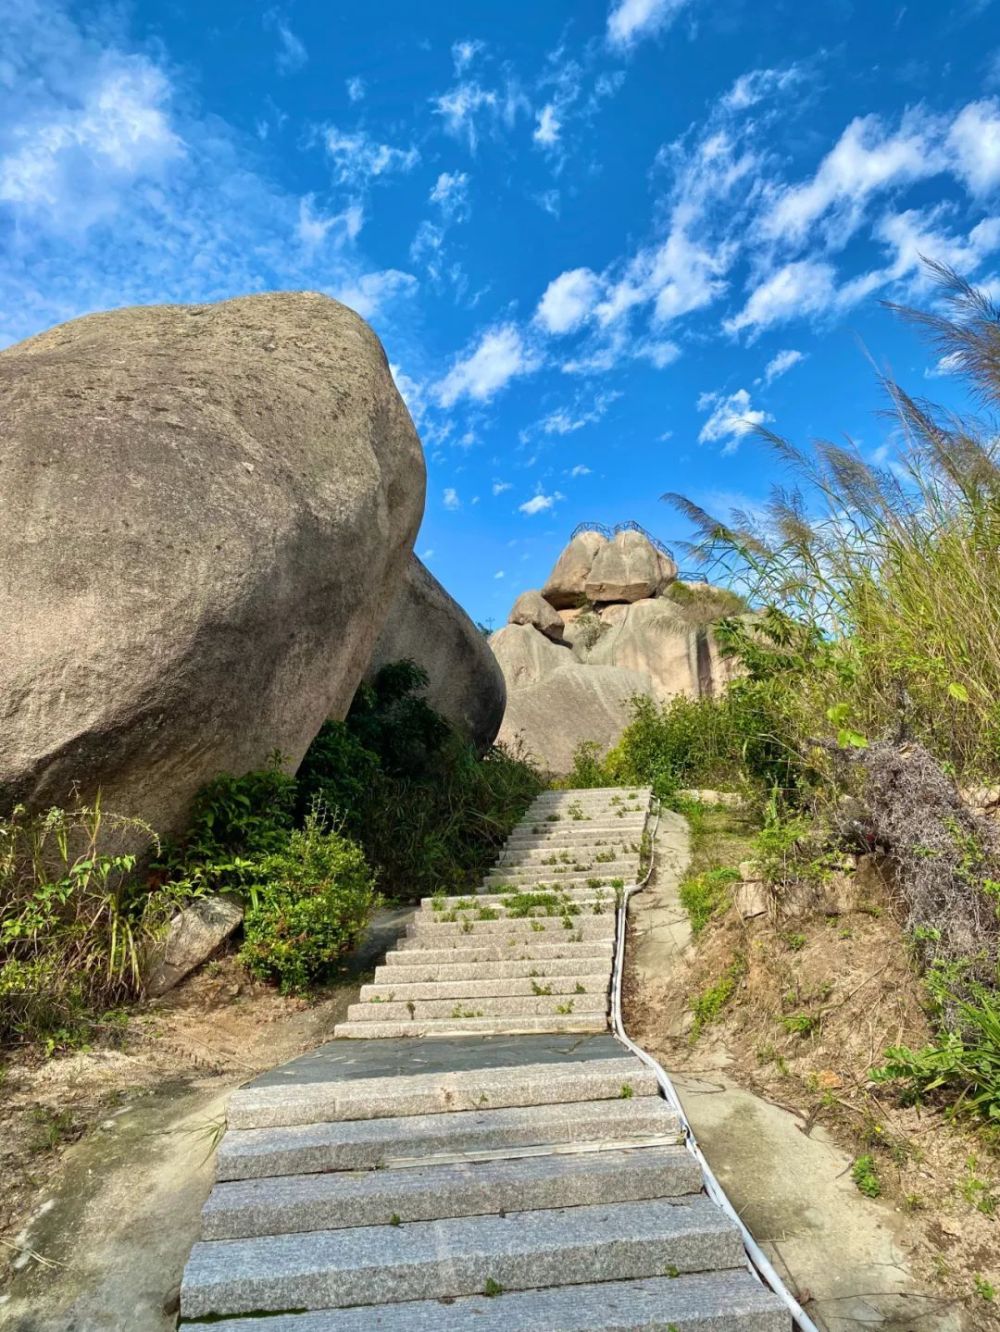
520,1173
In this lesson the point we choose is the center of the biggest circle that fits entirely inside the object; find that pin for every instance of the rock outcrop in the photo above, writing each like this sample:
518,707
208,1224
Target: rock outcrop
206,515
628,569
568,580
429,627
532,608
629,635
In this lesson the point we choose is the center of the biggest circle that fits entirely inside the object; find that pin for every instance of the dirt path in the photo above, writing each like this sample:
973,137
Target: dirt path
106,1155
851,1260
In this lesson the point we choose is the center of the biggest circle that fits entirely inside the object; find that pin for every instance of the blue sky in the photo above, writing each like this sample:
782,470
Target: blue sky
598,238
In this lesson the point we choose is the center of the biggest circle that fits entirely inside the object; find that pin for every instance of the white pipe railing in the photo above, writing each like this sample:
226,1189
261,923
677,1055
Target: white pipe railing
757,1260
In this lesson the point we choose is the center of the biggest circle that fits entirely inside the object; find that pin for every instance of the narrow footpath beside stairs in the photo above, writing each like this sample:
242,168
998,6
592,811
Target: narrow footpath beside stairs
514,1169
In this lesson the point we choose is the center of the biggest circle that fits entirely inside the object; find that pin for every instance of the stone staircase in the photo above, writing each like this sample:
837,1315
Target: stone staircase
516,1169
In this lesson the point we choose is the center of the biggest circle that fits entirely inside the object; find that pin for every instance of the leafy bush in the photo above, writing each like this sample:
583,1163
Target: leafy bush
702,895
963,1062
234,821
429,812
75,920
310,903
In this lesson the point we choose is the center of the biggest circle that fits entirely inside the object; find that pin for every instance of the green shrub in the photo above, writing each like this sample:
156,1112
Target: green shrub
702,895
76,918
864,1172
962,1064
311,902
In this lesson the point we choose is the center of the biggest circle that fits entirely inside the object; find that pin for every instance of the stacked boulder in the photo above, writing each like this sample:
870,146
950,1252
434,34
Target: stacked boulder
604,629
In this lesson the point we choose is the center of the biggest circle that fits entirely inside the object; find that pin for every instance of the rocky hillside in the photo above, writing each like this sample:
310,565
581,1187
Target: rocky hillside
613,621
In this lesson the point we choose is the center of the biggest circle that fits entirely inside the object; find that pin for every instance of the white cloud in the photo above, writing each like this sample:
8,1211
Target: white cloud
463,53
370,292
804,287
631,20
580,470
659,353
946,365
780,364
67,160
291,54
499,574
357,158
539,503
450,499
731,417
974,138
868,158
500,486
411,392
500,355
759,84
451,194
114,191
460,107
548,128
568,301
356,88
315,228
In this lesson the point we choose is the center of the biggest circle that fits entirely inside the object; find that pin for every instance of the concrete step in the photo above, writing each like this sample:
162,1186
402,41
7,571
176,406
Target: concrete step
543,880
531,950
583,1024
597,825
381,1144
718,1302
297,1203
426,933
595,795
578,871
436,1093
433,1260
474,902
517,1005
567,855
377,995
412,968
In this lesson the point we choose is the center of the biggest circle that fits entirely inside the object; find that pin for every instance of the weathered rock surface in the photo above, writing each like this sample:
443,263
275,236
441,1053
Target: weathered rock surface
532,608
652,636
628,569
205,514
569,705
525,656
191,938
429,627
567,583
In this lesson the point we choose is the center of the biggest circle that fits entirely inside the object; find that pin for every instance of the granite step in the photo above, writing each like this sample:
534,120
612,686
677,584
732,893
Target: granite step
474,902
299,1203
437,1093
534,855
531,950
543,880
727,1301
379,1144
412,968
446,1259
582,1024
597,825
518,1005
429,933
495,988
581,868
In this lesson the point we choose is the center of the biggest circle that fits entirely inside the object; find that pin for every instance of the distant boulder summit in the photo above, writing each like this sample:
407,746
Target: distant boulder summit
628,627
208,511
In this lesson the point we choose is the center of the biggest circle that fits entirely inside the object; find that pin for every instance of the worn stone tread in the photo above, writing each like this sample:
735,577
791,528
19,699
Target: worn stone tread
594,983
412,967
472,1026
435,1093
448,1258
364,1144
299,1203
706,1302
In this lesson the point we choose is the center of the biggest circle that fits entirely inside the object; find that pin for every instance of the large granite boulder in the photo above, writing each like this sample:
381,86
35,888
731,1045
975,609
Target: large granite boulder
429,627
532,608
655,638
525,656
206,514
629,568
553,716
567,583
